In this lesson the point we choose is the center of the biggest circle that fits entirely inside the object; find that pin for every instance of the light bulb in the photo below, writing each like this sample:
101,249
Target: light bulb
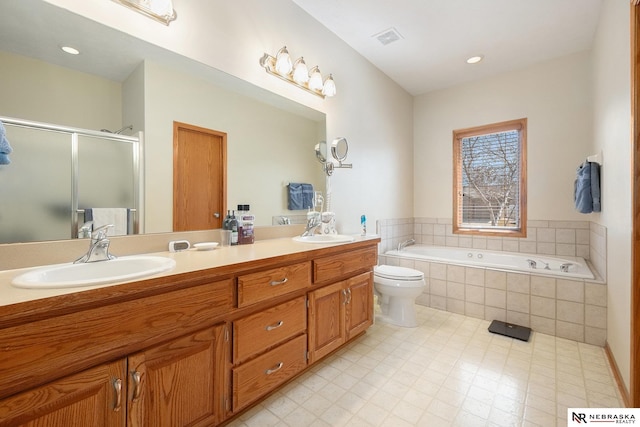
315,79
283,62
300,72
329,88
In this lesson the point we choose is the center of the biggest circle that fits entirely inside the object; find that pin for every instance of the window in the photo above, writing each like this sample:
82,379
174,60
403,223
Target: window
490,170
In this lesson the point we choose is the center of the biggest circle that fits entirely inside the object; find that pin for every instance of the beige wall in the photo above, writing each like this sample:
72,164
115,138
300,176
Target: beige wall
612,123
64,96
553,96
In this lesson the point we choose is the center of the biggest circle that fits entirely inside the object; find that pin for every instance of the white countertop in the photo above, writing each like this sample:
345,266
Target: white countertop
186,261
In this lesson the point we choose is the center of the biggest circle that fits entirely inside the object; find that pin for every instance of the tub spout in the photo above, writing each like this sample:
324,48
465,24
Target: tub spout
406,243
532,263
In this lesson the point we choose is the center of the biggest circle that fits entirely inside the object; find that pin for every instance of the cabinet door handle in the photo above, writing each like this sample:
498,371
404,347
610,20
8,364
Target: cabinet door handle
137,385
117,387
274,369
349,296
274,326
279,282
344,294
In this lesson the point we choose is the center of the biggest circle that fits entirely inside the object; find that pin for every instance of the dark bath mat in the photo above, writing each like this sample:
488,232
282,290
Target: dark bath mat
510,330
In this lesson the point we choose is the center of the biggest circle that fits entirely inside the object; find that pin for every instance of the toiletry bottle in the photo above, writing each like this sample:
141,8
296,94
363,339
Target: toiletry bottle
240,213
247,225
233,226
363,225
225,221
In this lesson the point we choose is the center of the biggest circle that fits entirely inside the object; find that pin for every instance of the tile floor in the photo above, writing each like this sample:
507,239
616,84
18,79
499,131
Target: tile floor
449,371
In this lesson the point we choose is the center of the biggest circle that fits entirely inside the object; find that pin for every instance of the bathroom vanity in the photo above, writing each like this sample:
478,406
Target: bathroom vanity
195,346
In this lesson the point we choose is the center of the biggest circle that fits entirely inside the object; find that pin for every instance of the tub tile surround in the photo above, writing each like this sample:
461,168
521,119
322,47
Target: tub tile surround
571,309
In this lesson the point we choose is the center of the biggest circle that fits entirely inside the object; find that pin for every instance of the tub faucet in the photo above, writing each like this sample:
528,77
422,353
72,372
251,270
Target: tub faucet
532,263
565,267
99,246
406,243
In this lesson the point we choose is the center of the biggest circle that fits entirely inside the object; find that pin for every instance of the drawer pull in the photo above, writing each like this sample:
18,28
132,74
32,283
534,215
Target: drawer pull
274,326
117,386
279,282
274,369
137,382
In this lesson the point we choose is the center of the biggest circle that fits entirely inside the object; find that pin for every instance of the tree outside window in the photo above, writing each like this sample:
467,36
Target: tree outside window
489,179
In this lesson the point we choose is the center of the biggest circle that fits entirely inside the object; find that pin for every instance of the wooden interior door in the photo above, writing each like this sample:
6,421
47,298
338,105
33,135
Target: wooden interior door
633,399
199,177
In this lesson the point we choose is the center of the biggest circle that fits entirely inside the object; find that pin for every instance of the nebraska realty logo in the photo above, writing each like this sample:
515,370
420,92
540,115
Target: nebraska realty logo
582,416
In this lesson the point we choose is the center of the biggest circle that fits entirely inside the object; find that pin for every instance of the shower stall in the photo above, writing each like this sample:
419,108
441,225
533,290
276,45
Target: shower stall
56,172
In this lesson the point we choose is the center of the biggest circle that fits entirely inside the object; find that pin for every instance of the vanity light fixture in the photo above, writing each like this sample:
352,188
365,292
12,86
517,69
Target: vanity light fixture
160,10
297,73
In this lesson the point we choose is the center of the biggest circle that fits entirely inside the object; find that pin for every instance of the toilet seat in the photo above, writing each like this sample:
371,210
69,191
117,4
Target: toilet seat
397,273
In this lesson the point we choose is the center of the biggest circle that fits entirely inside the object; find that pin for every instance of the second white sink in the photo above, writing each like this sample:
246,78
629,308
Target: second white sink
93,273
325,238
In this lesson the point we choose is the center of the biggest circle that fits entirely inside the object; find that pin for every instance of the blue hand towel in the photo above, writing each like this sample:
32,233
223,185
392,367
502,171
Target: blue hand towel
5,148
300,196
587,188
595,186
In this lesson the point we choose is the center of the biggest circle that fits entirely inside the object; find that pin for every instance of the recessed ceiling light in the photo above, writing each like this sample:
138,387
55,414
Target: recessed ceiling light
475,59
70,50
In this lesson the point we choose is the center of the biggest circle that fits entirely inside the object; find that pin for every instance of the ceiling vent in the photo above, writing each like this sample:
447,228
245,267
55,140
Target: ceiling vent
388,36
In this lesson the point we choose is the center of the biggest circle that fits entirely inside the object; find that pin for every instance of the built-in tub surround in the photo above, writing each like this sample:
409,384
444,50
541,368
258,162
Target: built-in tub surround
569,308
583,239
563,268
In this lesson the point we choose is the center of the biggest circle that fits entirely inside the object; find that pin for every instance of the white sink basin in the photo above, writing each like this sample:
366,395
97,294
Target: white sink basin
324,238
93,273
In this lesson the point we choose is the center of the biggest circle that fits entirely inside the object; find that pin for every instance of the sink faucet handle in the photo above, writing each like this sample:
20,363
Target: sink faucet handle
101,232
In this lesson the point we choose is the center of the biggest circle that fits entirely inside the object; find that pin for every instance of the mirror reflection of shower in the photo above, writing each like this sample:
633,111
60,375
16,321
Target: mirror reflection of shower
119,131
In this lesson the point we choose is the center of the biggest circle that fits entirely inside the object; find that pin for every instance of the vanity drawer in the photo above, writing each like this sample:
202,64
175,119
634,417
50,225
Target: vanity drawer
261,286
339,266
261,375
268,328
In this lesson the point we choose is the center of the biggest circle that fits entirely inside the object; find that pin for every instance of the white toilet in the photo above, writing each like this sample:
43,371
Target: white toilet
398,288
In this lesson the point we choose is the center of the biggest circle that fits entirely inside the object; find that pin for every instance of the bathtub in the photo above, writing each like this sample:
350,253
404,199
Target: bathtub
510,261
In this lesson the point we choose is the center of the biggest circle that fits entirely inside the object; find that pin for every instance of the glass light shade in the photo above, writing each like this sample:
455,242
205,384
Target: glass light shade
329,88
300,71
283,62
160,10
315,79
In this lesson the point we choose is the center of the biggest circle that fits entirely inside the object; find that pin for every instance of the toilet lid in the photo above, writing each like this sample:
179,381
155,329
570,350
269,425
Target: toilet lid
393,272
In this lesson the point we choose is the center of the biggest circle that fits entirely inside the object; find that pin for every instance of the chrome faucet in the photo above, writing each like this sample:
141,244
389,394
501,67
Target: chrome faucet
99,246
314,219
565,267
406,243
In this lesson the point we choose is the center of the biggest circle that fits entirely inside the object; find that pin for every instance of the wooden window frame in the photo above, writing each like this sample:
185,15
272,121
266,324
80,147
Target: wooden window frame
458,135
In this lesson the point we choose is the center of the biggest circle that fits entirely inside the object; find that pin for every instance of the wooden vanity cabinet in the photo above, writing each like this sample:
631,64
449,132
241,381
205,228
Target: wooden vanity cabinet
186,350
339,312
95,397
179,383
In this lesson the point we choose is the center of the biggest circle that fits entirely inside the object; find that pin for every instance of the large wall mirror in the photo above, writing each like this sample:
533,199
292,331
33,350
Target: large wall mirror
118,80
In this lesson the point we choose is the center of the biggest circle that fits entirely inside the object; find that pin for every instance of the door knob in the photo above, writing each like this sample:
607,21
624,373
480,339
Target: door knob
216,215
